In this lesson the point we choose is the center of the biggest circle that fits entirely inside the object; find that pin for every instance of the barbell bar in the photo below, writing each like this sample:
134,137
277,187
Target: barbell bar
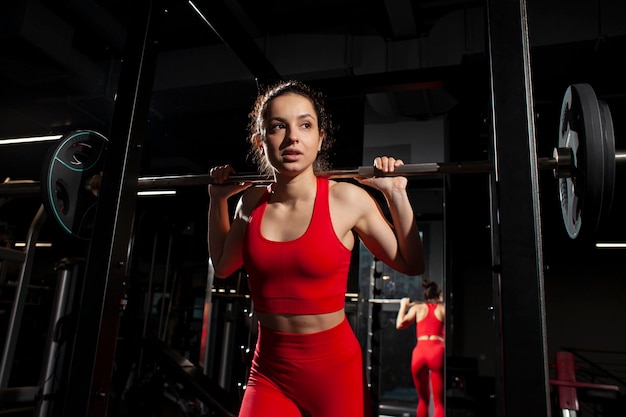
408,170
391,301
583,162
384,300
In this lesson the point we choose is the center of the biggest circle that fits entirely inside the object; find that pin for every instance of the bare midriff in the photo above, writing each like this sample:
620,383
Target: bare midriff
431,337
301,323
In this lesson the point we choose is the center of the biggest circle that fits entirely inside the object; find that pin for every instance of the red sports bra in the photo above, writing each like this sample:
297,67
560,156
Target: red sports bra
307,275
430,325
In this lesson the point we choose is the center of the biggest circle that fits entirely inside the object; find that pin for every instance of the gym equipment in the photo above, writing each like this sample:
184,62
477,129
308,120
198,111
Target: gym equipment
72,180
220,403
567,387
27,260
384,300
583,162
587,129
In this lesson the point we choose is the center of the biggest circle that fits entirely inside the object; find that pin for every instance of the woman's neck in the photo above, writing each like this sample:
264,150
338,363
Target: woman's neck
287,189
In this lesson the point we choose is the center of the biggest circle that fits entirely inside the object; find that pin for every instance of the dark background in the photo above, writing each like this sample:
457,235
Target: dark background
59,69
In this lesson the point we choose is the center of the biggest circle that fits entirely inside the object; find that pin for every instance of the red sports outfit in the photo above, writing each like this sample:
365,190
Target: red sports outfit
427,360
320,373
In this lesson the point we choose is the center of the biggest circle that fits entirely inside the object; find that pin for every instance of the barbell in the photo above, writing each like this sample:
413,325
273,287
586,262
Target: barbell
384,300
583,162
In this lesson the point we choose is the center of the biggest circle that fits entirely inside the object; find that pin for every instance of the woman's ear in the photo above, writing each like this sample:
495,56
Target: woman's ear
258,140
322,137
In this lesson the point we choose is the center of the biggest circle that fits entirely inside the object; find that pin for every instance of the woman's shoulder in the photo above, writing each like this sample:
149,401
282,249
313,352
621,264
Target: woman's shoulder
255,190
344,190
251,196
350,198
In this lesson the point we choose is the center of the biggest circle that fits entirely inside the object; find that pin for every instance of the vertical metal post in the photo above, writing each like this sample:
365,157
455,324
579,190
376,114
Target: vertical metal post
372,348
568,395
206,321
369,312
164,313
91,369
150,293
521,371
226,352
17,310
60,334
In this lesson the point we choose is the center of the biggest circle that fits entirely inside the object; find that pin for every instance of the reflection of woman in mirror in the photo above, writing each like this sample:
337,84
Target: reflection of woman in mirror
428,354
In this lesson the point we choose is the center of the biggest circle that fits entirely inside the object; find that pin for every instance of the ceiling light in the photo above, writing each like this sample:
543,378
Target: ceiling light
156,192
610,245
13,141
38,244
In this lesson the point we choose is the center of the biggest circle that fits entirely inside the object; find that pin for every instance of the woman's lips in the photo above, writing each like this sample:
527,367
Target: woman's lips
291,155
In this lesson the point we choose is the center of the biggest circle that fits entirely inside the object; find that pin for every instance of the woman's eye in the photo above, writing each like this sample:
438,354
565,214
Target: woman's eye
306,125
277,126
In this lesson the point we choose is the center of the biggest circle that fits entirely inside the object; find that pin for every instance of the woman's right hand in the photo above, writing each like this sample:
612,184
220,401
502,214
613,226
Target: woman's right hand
222,189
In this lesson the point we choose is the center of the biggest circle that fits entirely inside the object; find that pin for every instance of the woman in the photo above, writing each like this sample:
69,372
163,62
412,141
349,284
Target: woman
294,238
428,355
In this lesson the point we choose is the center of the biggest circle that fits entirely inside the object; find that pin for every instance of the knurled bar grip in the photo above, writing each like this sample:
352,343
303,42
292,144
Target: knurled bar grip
423,169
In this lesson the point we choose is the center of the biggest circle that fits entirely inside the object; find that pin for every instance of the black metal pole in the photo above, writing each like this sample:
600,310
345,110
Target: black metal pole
521,369
91,369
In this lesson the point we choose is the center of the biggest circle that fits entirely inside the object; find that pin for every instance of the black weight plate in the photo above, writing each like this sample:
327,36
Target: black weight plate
568,138
581,129
608,136
67,178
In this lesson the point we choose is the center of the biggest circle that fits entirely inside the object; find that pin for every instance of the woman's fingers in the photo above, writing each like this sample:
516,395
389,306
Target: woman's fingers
387,163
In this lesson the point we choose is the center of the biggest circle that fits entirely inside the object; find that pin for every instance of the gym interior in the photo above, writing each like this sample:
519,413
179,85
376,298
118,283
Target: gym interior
510,112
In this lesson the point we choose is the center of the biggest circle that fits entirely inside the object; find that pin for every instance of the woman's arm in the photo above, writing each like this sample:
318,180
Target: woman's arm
225,240
397,243
405,318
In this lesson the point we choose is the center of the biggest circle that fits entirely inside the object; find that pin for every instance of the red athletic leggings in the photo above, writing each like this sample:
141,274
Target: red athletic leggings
320,374
427,360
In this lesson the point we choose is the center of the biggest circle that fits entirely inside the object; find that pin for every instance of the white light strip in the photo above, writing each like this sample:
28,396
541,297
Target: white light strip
610,245
156,192
29,140
203,17
37,244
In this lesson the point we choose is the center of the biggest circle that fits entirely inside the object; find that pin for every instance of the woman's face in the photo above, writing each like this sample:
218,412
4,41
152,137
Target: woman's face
292,138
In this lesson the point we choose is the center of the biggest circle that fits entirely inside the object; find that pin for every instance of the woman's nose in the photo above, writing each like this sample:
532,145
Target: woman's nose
292,134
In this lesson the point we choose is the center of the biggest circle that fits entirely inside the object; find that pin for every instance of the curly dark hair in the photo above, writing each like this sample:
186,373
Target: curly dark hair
256,125
431,290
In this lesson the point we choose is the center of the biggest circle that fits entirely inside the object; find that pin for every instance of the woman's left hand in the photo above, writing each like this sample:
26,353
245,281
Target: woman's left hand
386,184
